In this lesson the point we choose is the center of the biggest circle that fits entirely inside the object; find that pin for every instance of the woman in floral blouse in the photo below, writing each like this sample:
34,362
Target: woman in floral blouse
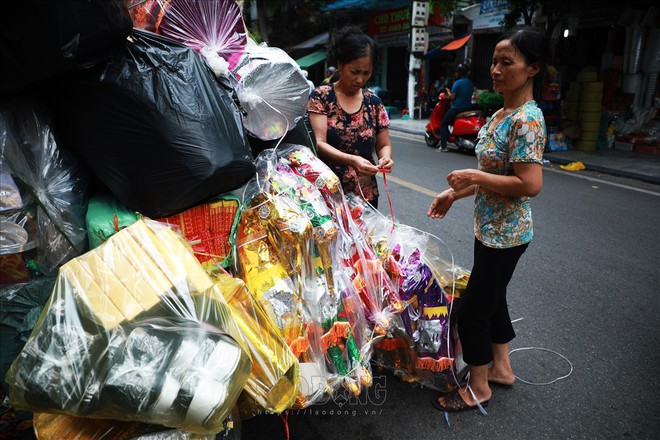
510,154
351,123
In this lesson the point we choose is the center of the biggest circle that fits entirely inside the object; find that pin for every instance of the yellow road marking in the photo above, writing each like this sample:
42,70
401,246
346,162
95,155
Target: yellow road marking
410,185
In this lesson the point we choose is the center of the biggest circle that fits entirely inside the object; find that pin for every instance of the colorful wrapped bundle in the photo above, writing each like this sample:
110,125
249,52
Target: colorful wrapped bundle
423,347
119,339
214,28
273,384
426,321
273,239
145,14
379,296
210,229
342,318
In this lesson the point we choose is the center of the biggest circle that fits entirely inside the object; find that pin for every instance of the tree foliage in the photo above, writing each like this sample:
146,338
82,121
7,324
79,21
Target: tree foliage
553,10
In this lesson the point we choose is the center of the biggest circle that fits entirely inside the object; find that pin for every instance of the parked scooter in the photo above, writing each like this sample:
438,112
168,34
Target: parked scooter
464,130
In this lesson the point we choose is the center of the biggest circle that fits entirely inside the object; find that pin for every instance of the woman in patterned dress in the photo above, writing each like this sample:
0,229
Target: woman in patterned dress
350,123
510,154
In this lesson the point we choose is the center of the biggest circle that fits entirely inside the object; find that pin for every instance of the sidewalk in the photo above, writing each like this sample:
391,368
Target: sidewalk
615,162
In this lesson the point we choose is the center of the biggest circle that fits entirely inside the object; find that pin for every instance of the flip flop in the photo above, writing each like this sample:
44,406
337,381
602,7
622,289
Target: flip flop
455,403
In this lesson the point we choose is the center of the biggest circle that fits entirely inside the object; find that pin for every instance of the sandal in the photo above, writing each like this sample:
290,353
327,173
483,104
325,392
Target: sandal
455,403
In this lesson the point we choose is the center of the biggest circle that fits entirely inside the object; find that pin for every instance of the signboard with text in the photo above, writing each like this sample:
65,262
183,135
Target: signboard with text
398,20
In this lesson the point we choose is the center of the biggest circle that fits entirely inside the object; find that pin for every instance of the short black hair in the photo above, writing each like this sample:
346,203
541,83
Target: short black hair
350,43
534,47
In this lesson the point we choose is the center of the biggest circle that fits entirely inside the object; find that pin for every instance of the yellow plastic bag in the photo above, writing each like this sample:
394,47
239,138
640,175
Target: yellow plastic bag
573,166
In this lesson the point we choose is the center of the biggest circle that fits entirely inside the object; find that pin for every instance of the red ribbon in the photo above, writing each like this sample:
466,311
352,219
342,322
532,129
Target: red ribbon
285,418
387,191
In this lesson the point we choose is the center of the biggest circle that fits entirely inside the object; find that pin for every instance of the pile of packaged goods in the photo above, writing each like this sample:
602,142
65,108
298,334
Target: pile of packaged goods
157,280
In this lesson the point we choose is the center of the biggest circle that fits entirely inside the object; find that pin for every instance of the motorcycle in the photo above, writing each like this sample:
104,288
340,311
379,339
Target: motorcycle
464,130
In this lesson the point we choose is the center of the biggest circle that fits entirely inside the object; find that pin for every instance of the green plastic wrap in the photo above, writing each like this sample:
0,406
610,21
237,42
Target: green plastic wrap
105,217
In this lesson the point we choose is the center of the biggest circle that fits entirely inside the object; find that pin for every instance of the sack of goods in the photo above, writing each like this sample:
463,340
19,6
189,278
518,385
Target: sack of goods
155,126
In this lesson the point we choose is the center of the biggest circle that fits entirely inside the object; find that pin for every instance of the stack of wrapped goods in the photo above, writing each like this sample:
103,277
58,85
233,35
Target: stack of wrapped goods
589,110
227,304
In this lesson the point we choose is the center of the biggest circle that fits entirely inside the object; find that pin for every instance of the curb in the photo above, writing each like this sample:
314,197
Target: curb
406,130
590,167
611,171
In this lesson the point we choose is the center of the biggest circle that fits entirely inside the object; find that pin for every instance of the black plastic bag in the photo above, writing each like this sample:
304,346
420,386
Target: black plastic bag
155,126
40,39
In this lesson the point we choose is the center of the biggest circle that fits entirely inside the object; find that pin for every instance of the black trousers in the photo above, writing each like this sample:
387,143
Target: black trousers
483,314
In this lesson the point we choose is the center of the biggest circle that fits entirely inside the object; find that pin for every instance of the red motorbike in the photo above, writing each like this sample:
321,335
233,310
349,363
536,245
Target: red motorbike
464,130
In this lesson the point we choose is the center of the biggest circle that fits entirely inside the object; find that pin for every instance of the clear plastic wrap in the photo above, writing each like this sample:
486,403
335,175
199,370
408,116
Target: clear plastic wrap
344,325
274,252
20,306
120,338
274,382
54,181
272,90
214,28
378,294
423,346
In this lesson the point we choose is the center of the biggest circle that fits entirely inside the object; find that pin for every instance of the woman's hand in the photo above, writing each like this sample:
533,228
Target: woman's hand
363,166
461,179
385,164
441,204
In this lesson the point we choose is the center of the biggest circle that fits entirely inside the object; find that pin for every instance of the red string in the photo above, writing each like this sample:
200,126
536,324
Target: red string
387,191
116,219
285,418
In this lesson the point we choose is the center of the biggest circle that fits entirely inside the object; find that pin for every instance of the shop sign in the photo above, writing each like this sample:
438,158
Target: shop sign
387,22
398,20
489,6
492,20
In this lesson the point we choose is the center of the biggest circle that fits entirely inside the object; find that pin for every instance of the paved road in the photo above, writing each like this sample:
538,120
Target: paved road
587,288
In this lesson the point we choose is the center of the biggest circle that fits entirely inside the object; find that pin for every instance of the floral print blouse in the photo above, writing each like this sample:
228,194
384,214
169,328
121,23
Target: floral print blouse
506,221
353,134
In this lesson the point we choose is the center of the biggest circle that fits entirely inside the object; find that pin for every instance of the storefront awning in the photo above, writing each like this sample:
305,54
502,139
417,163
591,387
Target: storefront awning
339,5
457,43
452,45
319,40
311,59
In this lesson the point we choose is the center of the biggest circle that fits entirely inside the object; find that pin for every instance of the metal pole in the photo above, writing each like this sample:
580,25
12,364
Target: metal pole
411,86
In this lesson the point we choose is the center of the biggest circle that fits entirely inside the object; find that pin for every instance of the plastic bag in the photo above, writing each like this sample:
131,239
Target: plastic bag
274,382
422,347
272,90
105,217
65,35
156,127
274,261
328,293
120,338
52,179
214,28
20,306
379,296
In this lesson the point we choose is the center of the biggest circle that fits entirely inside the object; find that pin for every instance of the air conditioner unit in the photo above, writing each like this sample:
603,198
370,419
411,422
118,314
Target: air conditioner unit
420,40
420,14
